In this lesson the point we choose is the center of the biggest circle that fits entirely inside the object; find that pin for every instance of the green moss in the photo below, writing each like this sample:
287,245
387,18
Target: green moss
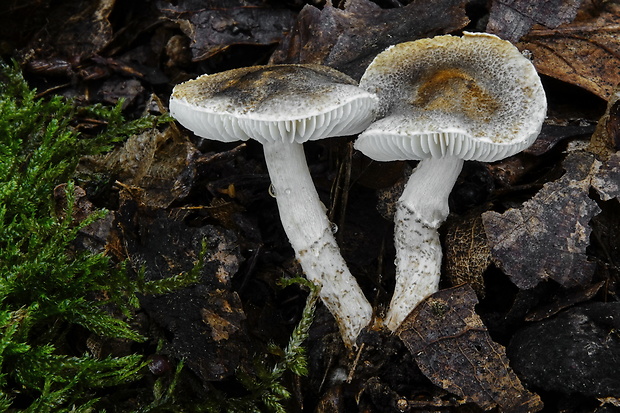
46,287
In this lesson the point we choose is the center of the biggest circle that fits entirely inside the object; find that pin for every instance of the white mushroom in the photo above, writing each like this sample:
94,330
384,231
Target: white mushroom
281,107
442,101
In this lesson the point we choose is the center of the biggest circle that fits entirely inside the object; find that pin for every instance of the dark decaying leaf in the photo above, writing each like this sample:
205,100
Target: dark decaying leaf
605,143
115,89
511,19
565,299
577,351
204,323
552,134
547,237
584,52
607,180
216,25
349,39
76,29
454,350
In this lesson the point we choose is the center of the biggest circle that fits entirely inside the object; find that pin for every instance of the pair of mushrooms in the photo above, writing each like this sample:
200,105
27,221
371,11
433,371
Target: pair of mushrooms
441,101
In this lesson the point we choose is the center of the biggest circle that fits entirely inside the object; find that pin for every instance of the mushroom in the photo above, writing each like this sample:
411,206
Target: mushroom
282,106
442,101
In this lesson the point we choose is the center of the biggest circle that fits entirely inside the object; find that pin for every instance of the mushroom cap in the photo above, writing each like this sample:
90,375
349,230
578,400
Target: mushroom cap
292,103
474,97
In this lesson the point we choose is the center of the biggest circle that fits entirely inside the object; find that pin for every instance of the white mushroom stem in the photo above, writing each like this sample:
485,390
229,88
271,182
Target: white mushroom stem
421,209
311,235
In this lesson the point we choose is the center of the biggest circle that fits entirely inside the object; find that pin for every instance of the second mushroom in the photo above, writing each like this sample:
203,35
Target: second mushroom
442,101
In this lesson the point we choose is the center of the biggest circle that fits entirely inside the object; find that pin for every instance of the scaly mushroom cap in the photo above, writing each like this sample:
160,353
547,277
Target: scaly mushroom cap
475,97
292,103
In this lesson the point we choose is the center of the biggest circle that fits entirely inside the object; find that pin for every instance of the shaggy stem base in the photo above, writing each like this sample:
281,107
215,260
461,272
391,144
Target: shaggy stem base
421,209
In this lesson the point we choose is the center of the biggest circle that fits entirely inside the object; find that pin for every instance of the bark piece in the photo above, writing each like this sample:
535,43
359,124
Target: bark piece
454,350
349,39
511,19
215,25
547,237
584,52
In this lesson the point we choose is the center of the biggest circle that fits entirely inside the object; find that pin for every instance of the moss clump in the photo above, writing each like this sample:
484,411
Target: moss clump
47,288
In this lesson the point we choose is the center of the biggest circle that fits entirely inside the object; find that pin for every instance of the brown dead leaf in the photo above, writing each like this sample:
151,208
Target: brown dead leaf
606,138
216,25
585,52
547,237
349,39
553,133
157,164
511,19
605,144
454,350
466,253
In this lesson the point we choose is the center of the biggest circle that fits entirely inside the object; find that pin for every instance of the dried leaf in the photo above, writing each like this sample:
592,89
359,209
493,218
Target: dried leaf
511,19
454,350
547,237
156,164
552,134
466,252
584,52
606,137
349,39
215,25
113,90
